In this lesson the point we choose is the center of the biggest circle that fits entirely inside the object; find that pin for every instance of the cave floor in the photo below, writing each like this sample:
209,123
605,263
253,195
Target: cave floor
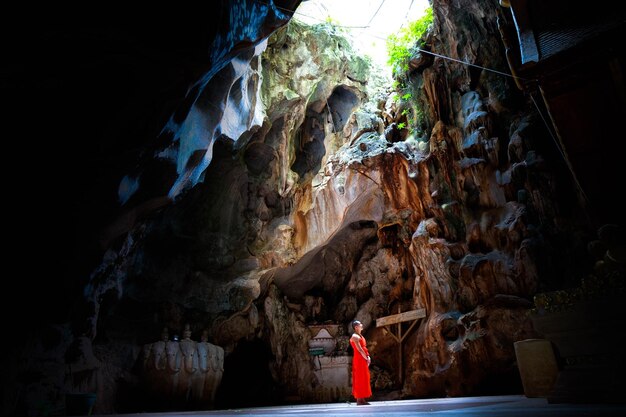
500,406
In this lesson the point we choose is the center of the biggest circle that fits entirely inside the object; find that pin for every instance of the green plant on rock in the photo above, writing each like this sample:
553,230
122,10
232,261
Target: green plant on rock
331,21
333,24
400,45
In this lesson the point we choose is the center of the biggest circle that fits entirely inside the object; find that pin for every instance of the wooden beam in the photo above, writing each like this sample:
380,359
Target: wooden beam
398,318
399,337
386,330
408,331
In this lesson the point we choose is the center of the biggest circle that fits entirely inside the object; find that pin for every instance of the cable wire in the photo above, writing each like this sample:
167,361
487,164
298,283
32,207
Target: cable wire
419,49
558,147
406,16
376,12
472,65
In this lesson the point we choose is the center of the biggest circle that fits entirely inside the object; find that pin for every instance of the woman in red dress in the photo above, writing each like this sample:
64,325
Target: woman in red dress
360,366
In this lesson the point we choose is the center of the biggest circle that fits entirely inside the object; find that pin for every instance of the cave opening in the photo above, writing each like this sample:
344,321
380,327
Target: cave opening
319,122
247,380
341,104
309,144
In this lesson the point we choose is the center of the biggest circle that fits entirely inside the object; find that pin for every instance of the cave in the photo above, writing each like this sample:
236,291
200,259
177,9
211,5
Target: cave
196,199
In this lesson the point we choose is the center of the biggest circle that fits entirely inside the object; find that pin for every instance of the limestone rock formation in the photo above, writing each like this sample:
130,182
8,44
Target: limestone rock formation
283,197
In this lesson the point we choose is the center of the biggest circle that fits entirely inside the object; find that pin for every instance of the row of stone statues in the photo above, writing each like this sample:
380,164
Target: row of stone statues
183,371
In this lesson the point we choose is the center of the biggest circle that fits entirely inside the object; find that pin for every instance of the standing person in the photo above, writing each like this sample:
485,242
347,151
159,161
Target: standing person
360,365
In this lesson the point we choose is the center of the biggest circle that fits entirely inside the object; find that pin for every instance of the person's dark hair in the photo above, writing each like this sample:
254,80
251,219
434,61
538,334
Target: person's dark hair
355,323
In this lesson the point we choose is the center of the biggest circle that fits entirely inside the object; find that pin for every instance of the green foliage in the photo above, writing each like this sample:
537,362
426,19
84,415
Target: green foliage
401,125
333,24
331,21
404,97
400,44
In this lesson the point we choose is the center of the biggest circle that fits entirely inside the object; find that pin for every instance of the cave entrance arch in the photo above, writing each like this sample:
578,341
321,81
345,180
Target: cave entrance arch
247,380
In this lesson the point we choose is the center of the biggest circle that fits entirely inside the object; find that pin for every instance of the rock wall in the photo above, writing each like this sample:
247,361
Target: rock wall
483,247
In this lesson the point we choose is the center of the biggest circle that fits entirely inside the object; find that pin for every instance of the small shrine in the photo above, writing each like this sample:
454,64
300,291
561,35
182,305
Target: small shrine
328,348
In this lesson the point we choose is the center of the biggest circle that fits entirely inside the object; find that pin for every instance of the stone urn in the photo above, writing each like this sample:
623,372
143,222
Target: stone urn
537,365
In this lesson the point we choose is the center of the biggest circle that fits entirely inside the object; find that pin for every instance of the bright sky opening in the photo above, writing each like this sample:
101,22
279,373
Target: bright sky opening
367,22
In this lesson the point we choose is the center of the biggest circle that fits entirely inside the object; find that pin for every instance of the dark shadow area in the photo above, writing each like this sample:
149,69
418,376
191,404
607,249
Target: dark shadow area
247,381
309,142
342,103
507,382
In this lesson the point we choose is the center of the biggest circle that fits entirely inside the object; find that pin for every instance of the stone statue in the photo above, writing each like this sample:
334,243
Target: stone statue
174,363
189,364
210,368
198,379
188,349
183,371
174,356
158,351
216,364
146,355
157,379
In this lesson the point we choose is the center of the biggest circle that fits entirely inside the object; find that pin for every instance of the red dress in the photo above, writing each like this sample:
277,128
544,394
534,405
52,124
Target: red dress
360,371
